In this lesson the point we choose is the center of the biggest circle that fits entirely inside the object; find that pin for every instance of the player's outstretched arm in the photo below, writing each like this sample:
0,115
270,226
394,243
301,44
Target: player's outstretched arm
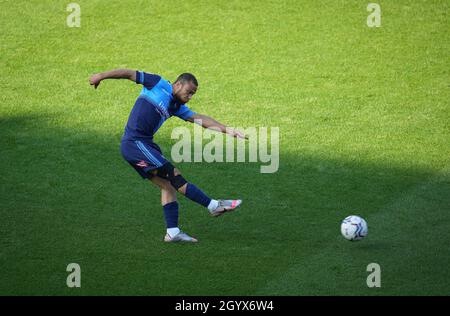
129,74
209,122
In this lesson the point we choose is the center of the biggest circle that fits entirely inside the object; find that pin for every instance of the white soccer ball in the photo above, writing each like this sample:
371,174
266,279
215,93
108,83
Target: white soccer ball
354,228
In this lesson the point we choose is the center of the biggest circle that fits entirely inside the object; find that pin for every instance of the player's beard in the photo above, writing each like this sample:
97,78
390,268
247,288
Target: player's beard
177,99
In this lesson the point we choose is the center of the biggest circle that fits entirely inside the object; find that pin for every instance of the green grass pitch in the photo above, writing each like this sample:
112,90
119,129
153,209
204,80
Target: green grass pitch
364,129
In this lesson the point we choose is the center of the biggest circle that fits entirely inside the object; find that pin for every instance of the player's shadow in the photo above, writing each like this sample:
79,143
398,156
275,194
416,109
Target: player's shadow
47,160
71,189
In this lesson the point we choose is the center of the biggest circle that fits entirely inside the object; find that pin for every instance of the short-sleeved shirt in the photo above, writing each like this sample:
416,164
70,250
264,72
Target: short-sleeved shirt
153,107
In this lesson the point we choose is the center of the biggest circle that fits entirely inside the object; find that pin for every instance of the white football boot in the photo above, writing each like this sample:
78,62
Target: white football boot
180,237
225,206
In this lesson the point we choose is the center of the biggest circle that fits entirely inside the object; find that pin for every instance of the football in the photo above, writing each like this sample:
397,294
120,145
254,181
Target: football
354,227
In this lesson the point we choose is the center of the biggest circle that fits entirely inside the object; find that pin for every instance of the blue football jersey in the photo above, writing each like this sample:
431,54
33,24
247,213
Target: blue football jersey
153,107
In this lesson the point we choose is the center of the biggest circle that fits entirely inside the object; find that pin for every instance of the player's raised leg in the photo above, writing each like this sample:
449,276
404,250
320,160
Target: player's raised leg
170,208
215,207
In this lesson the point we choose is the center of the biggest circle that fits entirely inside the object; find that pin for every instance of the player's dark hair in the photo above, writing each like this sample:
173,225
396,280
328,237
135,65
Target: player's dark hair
187,77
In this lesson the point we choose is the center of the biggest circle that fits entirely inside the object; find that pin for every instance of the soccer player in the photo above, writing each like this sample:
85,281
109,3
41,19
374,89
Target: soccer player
158,101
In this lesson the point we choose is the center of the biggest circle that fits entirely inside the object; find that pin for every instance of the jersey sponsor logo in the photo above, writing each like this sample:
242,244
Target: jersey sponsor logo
162,110
157,109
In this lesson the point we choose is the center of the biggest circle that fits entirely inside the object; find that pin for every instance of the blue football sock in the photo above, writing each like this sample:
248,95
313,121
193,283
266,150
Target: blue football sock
171,214
195,194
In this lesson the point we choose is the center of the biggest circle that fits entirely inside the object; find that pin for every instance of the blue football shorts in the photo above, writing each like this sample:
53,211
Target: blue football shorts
143,156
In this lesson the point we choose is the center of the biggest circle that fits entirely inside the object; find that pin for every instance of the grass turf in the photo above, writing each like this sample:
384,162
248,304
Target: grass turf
364,124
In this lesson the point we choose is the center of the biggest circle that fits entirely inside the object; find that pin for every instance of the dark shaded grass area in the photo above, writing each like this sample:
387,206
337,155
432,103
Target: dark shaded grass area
68,196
